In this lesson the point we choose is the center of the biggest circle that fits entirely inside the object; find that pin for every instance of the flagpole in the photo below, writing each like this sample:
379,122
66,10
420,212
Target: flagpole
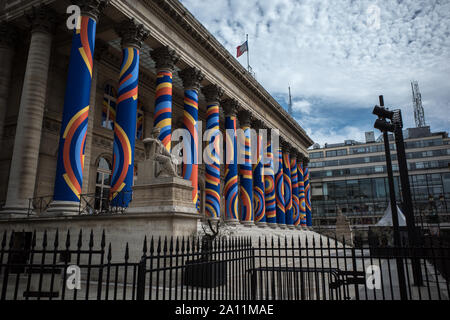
248,59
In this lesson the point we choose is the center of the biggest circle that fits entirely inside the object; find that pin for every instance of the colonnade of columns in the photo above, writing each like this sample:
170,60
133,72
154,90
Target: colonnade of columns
254,193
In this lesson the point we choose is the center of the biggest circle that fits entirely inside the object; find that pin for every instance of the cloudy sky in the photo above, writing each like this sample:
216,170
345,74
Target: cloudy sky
339,55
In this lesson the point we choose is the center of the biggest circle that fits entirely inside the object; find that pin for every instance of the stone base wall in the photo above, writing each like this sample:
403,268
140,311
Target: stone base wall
119,229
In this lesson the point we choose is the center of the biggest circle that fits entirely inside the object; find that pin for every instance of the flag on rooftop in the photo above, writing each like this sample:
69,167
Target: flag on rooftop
241,49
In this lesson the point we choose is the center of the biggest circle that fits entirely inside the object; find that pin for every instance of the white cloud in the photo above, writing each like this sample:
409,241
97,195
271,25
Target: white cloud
327,50
326,135
301,106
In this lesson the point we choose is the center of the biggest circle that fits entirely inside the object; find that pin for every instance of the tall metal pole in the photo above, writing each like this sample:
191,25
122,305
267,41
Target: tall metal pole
394,213
406,194
248,52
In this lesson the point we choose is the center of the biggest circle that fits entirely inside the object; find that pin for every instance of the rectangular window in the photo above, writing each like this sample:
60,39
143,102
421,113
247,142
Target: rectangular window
316,155
331,153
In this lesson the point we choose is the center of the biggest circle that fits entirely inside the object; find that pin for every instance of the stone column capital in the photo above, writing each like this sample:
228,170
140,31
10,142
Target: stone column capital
212,93
230,107
133,34
165,58
42,19
8,35
285,146
245,118
191,78
91,8
258,124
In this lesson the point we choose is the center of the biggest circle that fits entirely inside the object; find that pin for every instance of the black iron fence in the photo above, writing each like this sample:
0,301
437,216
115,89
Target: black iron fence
33,266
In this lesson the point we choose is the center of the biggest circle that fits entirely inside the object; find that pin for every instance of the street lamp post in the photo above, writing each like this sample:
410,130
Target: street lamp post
396,126
384,127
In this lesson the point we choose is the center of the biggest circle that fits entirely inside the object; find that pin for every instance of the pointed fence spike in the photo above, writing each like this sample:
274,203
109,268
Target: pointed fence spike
103,241
144,248
91,239
171,244
177,244
158,249
4,239
68,239
11,239
44,241
80,239
109,256
165,244
33,240
152,246
127,254
56,242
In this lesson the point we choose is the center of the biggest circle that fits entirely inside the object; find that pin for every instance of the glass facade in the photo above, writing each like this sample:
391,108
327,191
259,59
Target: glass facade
358,184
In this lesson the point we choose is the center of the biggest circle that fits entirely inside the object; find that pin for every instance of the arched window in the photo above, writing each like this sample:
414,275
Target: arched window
140,121
109,107
102,184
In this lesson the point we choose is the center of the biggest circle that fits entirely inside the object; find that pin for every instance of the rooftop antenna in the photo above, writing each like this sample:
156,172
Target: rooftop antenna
290,101
419,114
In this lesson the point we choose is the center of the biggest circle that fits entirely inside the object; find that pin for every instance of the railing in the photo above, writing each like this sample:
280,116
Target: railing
303,268
90,203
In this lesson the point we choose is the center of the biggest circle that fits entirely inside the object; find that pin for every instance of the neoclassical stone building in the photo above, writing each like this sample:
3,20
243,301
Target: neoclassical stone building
75,106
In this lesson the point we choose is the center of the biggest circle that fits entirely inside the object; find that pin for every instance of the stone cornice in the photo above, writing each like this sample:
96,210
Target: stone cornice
199,33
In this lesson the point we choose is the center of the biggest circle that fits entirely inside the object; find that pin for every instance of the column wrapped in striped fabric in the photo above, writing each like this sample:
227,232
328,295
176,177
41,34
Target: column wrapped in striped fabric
269,186
287,188
69,172
295,200
259,204
279,189
190,157
231,170
212,175
308,198
246,177
125,129
301,194
163,107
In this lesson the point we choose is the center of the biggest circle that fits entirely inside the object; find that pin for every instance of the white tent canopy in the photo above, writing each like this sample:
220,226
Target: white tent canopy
386,220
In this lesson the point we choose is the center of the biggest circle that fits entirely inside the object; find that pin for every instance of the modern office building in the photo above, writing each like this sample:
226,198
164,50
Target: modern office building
352,176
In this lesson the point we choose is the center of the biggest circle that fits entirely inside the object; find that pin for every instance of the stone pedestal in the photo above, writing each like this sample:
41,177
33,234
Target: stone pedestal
232,222
261,224
165,195
67,208
248,224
